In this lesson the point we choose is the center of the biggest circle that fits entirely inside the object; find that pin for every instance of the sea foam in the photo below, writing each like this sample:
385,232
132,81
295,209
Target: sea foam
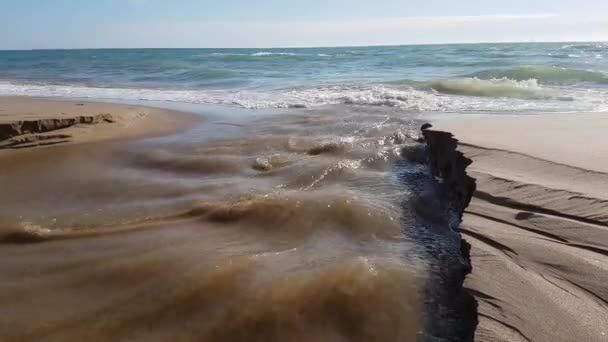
457,95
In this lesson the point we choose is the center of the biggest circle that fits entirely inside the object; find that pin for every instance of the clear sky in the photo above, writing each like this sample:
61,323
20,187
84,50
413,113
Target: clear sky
27,24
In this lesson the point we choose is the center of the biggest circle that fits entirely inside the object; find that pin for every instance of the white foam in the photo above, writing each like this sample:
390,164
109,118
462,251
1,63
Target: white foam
222,54
408,98
265,53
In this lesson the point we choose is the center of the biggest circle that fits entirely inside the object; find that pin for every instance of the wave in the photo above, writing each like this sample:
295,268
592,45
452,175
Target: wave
585,46
236,56
545,75
284,54
226,54
410,99
265,54
457,95
502,87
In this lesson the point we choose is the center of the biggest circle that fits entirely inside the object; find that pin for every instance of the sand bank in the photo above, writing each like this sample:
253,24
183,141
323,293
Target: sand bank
538,225
29,122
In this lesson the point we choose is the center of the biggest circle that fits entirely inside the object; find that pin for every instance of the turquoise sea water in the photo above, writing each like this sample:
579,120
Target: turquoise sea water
497,78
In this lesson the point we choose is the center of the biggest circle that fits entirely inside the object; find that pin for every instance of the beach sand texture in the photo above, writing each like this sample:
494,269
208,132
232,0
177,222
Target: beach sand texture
538,225
28,122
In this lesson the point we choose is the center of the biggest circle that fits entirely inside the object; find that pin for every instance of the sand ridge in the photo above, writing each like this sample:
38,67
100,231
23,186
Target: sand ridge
30,122
538,226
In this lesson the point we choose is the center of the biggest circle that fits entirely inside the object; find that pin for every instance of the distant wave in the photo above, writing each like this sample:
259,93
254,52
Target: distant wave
245,56
544,75
266,53
586,46
502,87
226,54
277,54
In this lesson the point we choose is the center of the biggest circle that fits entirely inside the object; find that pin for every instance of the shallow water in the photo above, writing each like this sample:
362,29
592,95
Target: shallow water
297,226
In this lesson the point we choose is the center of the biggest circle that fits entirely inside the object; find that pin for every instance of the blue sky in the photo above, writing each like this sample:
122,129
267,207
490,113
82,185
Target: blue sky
26,24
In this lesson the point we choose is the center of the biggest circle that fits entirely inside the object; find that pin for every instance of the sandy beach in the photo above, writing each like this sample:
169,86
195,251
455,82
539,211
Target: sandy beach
304,171
148,221
30,122
538,225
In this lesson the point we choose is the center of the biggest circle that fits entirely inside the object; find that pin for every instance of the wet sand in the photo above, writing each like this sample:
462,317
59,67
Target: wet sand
28,122
538,225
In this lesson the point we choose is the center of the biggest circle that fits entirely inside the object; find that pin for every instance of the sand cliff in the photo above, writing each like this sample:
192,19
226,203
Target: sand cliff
27,123
537,225
445,192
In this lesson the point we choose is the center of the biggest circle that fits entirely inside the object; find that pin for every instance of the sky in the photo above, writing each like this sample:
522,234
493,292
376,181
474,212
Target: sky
47,24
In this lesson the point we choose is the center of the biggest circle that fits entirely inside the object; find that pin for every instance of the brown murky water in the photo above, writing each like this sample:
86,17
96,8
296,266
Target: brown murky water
293,227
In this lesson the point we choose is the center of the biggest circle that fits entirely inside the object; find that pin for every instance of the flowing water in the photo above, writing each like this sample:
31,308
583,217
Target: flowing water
301,209
284,227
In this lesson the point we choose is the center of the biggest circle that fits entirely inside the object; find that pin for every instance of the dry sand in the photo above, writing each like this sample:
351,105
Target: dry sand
29,122
538,225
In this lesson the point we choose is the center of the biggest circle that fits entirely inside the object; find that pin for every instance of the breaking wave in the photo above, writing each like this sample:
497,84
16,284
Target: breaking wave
503,87
545,75
451,95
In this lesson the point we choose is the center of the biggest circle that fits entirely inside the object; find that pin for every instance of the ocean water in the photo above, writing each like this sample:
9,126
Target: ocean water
495,78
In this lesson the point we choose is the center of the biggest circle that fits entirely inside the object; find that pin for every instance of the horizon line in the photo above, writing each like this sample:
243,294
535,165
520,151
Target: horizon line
314,47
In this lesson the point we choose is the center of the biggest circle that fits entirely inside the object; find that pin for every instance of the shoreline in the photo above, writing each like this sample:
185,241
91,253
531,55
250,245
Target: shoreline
535,231
32,123
537,225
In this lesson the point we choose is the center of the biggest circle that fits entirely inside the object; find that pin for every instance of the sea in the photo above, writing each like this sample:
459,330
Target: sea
486,78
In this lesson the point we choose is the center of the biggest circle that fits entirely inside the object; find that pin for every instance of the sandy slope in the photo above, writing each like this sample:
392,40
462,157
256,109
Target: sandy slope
538,225
28,122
